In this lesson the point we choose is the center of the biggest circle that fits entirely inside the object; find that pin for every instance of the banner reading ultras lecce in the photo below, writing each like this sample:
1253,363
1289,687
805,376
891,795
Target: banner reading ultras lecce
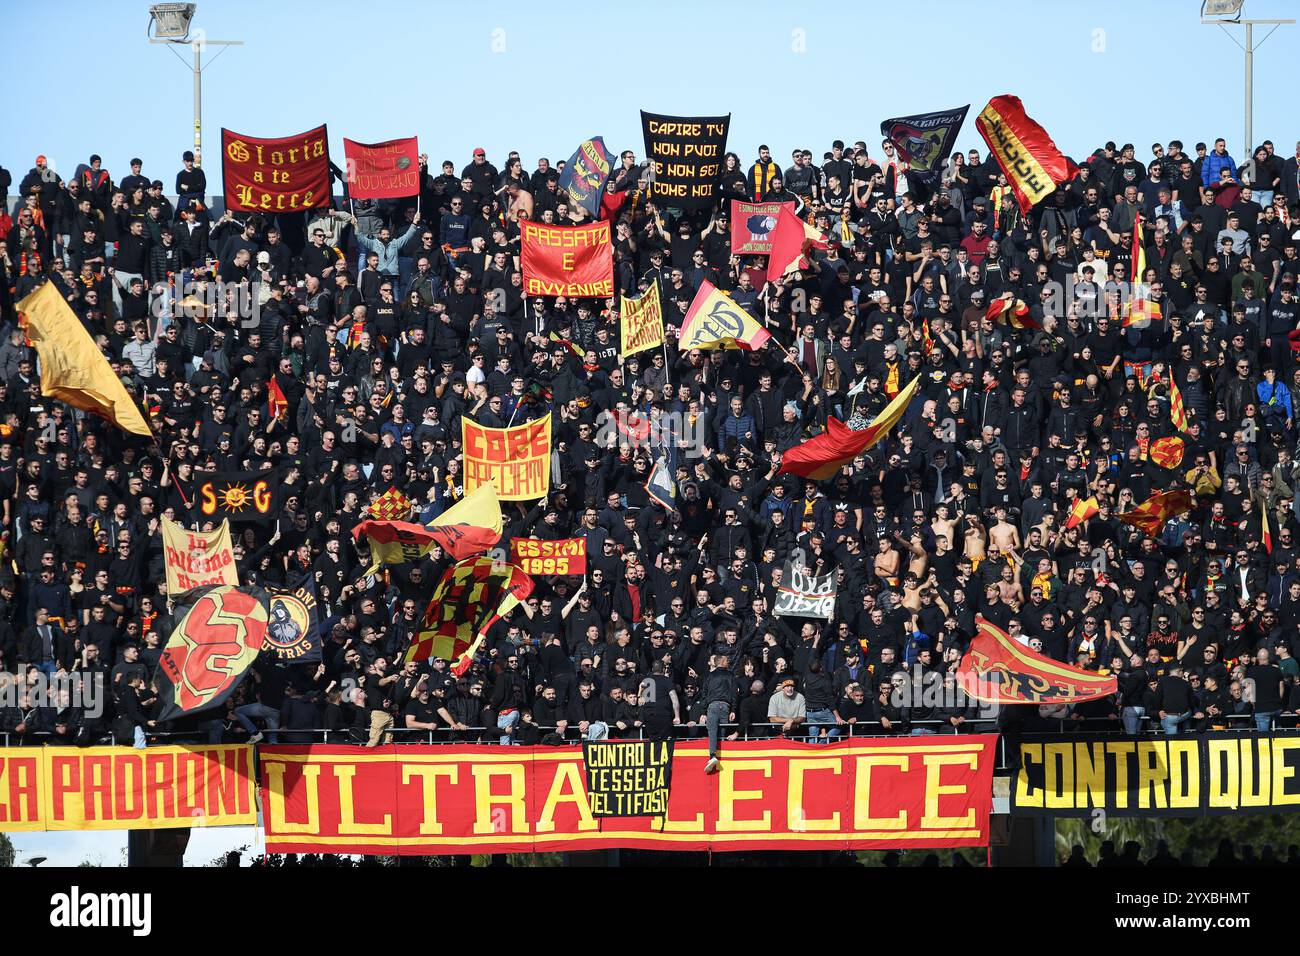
768,795
121,788
276,175
1161,776
517,461
687,155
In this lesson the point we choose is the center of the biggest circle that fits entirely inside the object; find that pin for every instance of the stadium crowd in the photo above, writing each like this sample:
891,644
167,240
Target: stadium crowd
385,323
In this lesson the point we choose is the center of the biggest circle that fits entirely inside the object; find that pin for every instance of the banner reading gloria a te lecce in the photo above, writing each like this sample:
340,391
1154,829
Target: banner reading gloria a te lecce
276,175
121,788
517,461
768,795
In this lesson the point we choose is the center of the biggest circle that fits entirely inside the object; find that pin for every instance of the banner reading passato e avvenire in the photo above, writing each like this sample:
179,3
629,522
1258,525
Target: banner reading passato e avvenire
567,260
768,795
276,175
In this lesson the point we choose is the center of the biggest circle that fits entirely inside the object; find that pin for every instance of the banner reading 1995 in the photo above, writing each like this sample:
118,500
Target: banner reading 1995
1188,775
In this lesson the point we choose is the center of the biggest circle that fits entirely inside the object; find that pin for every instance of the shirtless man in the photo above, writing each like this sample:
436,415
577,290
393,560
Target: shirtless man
976,540
918,560
943,523
1009,588
1003,536
886,563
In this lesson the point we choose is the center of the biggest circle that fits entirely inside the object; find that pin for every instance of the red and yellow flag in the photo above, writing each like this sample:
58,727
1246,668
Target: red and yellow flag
716,321
1177,411
1265,532
1034,167
1150,516
1013,310
1167,452
791,240
471,525
1081,511
394,542
277,406
392,505
470,597
822,456
998,669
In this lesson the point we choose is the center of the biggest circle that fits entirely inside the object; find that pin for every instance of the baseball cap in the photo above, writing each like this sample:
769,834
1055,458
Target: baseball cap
479,151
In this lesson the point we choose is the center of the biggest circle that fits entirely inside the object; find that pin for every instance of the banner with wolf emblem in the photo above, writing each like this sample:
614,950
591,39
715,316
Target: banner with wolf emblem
924,139
219,633
293,629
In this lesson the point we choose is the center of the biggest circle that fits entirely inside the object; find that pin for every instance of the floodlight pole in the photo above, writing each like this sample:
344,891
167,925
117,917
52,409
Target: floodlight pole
1248,149
197,70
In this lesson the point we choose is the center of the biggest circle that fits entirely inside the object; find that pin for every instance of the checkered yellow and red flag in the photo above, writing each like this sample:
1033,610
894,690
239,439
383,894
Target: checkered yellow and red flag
1151,515
470,597
1177,411
392,505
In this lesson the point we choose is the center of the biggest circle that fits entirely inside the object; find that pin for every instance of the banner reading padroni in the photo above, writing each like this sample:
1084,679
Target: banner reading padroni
196,558
1159,776
516,460
121,788
567,260
768,795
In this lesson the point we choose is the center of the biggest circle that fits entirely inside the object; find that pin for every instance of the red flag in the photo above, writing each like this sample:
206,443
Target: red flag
1151,515
1081,511
821,457
1024,676
1167,452
791,240
277,406
388,170
1034,167
1013,310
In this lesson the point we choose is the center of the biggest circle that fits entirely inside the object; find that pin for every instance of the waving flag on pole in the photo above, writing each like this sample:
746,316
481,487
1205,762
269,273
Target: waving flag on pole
1177,411
1013,310
470,597
470,526
1150,516
925,140
791,240
1034,167
716,321
394,542
661,487
1265,533
998,669
1081,511
821,457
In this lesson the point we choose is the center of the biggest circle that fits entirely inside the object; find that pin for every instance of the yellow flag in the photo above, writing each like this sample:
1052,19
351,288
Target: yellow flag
73,370
642,322
716,321
470,526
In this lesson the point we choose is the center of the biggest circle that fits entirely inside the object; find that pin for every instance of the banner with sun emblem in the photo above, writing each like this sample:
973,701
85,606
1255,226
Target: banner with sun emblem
294,629
240,496
219,633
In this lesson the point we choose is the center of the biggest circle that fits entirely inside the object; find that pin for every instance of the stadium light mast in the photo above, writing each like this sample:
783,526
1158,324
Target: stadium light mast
169,23
1222,12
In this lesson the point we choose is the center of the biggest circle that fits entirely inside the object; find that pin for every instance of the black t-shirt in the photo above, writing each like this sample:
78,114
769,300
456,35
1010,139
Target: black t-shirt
1267,677
424,713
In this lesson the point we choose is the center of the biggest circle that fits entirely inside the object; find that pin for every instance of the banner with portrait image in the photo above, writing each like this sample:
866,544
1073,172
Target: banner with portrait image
276,175
575,261
517,461
686,155
925,140
752,224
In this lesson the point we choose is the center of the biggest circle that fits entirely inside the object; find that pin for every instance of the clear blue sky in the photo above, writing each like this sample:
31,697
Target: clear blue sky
541,77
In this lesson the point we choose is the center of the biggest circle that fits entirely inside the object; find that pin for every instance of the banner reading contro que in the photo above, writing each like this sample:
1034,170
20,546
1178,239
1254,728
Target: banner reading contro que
1181,775
687,155
516,460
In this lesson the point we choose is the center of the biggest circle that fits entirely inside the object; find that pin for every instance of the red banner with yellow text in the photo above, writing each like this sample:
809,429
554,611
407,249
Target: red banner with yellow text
1033,165
387,170
121,788
562,556
870,794
516,461
276,175
567,260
